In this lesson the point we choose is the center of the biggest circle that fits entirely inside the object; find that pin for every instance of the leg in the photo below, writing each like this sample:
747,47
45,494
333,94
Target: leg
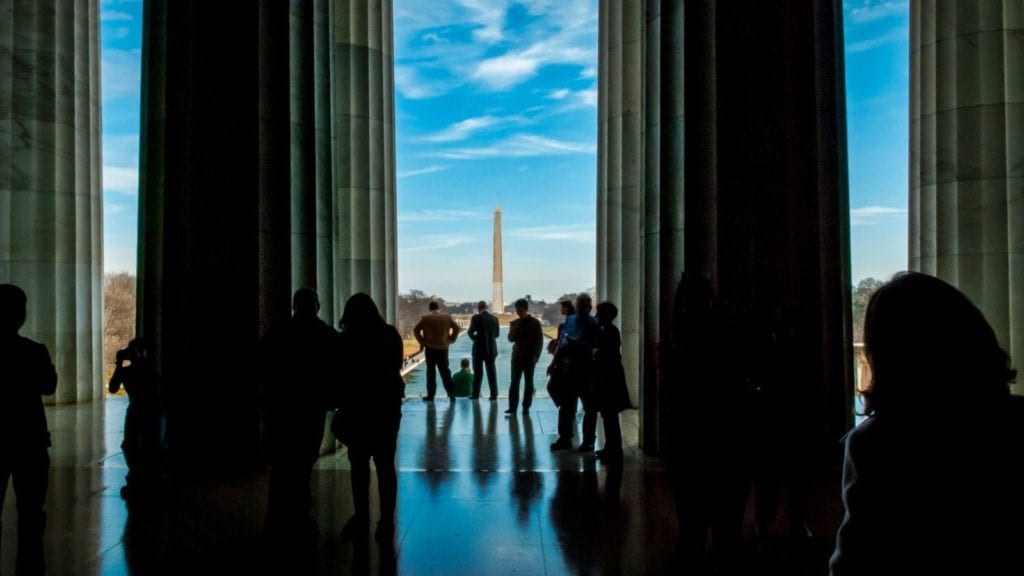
528,391
130,445
446,373
492,377
5,475
31,475
360,460
567,419
478,375
387,479
612,433
431,357
513,387
589,427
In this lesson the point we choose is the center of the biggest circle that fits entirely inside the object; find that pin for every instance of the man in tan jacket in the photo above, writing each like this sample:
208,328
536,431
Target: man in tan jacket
435,332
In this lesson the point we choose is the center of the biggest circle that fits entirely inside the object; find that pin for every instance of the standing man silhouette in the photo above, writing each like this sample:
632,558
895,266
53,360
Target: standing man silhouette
527,339
435,332
28,375
483,331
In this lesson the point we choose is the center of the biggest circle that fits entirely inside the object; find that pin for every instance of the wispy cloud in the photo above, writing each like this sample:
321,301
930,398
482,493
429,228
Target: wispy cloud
412,85
489,16
438,242
114,208
519,146
121,179
871,215
122,73
583,233
871,11
466,128
421,171
896,34
444,215
115,16
121,163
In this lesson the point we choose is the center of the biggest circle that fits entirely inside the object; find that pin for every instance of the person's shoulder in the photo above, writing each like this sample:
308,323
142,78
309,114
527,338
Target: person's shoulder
28,346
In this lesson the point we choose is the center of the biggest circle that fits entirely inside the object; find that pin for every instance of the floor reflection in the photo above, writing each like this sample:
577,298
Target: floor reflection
479,493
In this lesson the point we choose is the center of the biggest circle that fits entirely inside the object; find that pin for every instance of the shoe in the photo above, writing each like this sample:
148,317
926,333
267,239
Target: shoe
428,398
493,398
125,492
474,397
526,409
586,447
561,444
451,398
510,411
609,455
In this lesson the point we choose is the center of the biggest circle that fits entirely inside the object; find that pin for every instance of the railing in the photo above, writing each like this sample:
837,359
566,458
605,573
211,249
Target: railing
861,368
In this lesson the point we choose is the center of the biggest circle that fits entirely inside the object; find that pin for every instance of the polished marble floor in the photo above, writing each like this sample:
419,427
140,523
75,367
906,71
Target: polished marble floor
479,493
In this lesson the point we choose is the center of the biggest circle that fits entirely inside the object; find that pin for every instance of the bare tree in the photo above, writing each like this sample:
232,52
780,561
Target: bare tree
118,316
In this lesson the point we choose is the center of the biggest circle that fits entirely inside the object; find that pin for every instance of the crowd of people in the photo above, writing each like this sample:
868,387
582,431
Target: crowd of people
919,492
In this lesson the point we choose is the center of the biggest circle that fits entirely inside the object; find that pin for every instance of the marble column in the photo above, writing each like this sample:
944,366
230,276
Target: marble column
967,155
50,192
699,170
365,251
621,178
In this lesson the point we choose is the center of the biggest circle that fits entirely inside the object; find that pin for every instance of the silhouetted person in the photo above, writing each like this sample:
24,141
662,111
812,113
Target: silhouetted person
141,446
575,361
370,406
28,375
299,372
483,331
932,477
611,395
435,332
527,339
557,370
462,381
706,429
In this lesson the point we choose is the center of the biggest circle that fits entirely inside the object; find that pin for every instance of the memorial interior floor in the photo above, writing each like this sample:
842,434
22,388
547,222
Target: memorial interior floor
479,493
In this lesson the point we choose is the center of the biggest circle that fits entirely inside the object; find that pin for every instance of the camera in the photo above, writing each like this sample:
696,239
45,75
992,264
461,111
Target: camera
122,355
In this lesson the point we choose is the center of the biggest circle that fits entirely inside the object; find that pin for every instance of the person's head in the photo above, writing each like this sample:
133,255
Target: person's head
433,306
13,306
607,312
360,314
568,308
138,348
583,305
481,306
927,343
464,363
305,302
522,307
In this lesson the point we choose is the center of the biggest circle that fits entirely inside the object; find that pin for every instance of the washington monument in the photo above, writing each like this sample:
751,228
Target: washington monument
497,295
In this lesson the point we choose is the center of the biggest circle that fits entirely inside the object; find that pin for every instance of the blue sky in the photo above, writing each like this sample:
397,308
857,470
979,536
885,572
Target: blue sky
496,103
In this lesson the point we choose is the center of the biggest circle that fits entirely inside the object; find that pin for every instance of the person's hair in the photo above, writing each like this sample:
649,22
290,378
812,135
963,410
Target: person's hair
464,363
361,314
607,310
434,305
481,305
305,301
584,304
522,303
927,343
12,307
569,307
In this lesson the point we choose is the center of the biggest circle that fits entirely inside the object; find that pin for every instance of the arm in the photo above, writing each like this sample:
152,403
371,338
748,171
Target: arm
417,332
474,328
455,329
854,549
47,373
513,331
116,379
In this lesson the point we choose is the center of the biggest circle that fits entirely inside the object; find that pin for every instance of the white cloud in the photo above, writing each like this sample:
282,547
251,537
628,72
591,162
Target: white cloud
120,179
872,11
897,34
438,242
583,233
466,128
519,146
121,73
444,215
421,171
115,16
410,84
114,208
871,215
559,94
119,33
589,72
489,16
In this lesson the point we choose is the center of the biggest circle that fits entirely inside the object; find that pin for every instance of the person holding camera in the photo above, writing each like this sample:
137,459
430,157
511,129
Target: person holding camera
141,446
